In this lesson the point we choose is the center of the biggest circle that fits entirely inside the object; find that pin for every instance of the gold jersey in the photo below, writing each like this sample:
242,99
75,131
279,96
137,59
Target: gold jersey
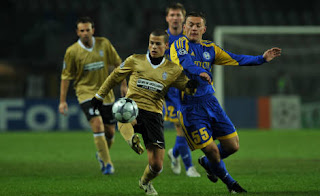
148,83
89,67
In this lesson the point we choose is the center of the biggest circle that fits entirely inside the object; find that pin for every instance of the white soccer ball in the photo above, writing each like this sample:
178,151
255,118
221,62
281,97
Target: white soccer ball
125,110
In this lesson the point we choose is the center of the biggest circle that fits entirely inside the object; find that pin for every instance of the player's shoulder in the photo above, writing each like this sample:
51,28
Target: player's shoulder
102,39
207,43
73,48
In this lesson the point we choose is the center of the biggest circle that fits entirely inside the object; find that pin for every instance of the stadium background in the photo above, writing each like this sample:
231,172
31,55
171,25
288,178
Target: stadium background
35,35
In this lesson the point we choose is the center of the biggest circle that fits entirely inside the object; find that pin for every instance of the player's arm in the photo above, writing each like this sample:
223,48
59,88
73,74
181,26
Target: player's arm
183,83
227,58
68,73
116,61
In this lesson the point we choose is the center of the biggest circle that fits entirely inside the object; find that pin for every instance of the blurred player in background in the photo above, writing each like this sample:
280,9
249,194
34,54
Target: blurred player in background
87,63
202,118
151,75
175,15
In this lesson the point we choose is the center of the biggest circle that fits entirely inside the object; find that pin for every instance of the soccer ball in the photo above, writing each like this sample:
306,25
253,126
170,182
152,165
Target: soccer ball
125,110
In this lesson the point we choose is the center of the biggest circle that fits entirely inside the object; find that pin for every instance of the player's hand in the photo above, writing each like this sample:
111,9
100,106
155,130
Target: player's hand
96,103
63,108
271,54
191,87
205,76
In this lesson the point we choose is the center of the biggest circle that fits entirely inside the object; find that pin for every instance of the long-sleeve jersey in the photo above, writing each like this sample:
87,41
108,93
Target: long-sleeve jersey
196,58
148,83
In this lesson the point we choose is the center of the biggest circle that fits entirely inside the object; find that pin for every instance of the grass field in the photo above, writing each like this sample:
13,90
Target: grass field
63,163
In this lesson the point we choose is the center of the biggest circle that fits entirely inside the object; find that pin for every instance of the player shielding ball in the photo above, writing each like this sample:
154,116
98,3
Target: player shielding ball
201,116
151,75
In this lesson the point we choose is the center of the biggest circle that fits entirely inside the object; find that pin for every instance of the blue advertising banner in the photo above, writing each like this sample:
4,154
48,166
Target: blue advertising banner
40,115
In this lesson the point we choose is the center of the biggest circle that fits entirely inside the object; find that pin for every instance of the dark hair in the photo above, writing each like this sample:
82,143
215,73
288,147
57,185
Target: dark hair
197,14
161,32
85,19
176,6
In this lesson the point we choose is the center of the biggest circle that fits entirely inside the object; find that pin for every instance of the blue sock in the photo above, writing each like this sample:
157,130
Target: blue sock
219,169
223,153
182,148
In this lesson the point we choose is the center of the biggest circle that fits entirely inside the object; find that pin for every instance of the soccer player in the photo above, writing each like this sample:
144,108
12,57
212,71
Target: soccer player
151,75
87,63
202,118
175,15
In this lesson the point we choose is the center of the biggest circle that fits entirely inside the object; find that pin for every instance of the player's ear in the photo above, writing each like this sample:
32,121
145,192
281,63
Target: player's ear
93,30
204,29
167,45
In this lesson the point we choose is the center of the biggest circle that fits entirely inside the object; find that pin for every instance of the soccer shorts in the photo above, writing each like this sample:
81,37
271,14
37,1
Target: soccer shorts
150,126
203,120
105,112
172,105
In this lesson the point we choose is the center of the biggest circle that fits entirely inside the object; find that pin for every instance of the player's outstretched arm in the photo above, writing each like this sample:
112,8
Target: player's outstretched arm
272,53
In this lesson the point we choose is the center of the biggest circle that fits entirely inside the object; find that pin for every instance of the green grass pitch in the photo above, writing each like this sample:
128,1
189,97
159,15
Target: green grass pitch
63,163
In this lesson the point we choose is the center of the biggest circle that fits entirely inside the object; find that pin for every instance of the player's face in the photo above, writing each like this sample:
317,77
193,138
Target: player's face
85,32
175,18
194,28
157,46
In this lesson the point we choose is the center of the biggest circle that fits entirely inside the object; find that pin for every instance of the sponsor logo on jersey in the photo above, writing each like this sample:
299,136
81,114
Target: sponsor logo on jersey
93,66
150,85
164,75
206,55
182,51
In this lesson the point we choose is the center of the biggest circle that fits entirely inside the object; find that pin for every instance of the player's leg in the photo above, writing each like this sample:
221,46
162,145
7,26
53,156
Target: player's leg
228,146
184,151
97,127
153,169
109,133
127,132
109,123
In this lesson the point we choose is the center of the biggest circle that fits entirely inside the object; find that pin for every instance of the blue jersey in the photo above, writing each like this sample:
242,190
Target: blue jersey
173,96
201,116
196,58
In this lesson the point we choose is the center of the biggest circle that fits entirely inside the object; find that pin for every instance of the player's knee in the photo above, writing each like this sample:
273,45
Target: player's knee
96,125
156,169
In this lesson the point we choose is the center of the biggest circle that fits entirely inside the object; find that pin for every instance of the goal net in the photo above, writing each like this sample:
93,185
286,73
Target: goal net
296,72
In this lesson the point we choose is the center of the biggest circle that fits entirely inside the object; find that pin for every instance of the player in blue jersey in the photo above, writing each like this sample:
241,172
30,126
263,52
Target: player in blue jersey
202,118
175,15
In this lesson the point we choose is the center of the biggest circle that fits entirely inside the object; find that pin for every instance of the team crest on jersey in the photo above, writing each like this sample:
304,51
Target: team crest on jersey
164,75
101,53
121,65
182,51
206,55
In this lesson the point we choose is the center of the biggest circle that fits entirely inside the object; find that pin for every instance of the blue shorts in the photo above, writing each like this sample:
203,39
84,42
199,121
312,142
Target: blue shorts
172,105
203,120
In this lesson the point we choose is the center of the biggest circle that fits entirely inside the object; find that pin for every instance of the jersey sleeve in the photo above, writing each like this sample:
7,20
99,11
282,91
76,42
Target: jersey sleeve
179,54
119,74
112,55
69,67
180,82
223,57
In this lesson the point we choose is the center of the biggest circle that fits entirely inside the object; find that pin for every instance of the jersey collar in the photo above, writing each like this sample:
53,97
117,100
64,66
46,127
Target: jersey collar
152,65
88,49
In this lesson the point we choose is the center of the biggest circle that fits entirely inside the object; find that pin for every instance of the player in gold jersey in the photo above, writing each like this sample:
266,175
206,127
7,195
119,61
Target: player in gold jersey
151,75
87,63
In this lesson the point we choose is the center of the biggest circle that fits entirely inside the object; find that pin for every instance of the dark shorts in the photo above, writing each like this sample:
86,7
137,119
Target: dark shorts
105,112
150,126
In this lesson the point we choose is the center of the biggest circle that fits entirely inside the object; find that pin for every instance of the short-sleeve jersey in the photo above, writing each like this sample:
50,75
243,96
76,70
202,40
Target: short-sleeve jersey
148,83
196,58
89,67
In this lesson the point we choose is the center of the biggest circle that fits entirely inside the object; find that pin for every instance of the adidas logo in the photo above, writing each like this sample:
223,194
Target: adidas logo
192,54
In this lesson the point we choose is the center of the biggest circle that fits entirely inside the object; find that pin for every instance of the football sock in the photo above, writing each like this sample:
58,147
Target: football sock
223,154
102,147
126,130
181,147
148,175
219,169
